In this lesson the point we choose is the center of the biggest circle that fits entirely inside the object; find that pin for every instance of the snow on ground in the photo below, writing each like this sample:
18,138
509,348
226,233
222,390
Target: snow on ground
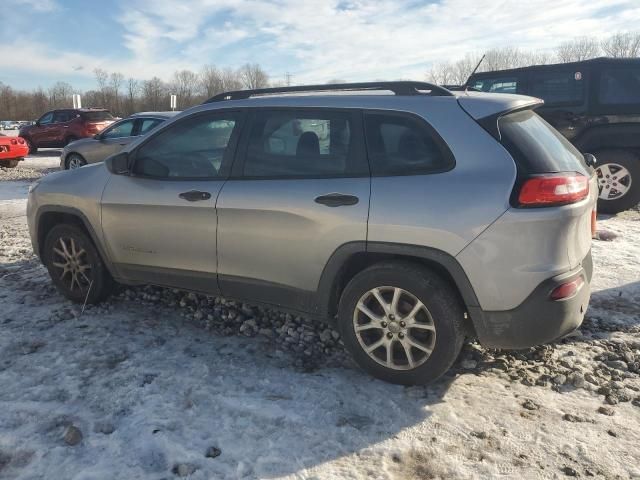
161,384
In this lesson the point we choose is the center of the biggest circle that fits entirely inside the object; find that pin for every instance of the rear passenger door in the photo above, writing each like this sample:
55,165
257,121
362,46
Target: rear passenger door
299,190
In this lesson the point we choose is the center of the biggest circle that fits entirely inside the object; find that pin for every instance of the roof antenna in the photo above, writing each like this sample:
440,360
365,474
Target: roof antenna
466,84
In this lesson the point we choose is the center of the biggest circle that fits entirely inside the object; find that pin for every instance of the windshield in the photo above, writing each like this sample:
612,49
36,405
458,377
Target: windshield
537,147
98,116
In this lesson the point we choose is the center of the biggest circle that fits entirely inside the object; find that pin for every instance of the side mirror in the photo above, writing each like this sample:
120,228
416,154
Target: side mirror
37,124
118,164
590,160
97,136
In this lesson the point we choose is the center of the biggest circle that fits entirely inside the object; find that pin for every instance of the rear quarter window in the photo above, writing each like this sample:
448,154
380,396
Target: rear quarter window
557,87
404,145
537,147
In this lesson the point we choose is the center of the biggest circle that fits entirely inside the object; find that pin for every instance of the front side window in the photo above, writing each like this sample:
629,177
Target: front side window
122,129
196,147
401,145
558,87
620,86
46,119
299,143
497,85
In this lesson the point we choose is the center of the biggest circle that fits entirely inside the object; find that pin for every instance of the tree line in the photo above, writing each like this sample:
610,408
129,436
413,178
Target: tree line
618,45
124,96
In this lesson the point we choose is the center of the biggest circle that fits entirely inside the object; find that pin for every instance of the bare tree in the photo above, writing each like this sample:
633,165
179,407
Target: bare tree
253,76
153,92
115,83
622,45
578,49
133,87
60,95
185,85
102,79
231,80
211,82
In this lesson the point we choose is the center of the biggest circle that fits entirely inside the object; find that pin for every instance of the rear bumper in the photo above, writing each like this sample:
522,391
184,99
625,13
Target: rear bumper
538,319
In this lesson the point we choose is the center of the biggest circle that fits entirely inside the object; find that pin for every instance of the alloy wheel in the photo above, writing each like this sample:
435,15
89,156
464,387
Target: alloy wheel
71,261
394,328
75,161
614,181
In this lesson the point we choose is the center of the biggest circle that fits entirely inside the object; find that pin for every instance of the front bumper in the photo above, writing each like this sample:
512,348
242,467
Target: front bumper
538,319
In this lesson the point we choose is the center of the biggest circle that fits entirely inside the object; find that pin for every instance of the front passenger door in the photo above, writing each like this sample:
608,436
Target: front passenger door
159,222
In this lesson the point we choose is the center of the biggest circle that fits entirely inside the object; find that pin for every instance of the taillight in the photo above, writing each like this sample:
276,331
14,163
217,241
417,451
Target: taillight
556,189
567,290
14,141
21,141
594,222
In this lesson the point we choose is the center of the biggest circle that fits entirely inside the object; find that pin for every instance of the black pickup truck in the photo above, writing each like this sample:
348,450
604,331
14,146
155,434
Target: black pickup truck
596,105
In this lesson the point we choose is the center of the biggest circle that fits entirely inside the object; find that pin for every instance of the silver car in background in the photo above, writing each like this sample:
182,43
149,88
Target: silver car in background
111,140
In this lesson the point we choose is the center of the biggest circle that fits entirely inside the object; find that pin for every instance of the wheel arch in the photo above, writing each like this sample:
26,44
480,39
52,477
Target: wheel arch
351,258
50,216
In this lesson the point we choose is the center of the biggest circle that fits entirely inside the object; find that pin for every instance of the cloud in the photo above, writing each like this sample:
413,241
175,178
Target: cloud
35,5
323,39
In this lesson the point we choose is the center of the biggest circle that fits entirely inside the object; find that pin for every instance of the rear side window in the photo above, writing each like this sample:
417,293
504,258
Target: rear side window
507,84
620,86
404,145
98,116
301,143
557,87
537,147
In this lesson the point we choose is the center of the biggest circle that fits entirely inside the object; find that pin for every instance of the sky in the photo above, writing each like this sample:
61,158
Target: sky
43,41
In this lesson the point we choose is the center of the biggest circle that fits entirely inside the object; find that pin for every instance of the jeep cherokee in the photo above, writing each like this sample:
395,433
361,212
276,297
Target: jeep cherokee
414,219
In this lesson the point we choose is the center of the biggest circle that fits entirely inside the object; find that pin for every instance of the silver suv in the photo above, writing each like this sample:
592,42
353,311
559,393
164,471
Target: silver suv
411,216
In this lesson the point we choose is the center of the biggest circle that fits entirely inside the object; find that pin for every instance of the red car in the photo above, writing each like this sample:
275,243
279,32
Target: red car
58,128
12,150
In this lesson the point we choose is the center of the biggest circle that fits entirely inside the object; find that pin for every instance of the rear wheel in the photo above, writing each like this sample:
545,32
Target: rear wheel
9,163
75,266
402,323
75,160
618,180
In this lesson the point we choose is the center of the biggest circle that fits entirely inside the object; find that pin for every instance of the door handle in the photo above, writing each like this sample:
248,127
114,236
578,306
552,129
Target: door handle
195,196
336,199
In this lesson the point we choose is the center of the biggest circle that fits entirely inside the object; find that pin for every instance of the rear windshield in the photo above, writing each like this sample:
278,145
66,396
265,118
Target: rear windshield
99,116
537,147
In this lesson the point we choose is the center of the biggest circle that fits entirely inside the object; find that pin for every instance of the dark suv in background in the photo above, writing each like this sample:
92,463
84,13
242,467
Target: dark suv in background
596,105
58,128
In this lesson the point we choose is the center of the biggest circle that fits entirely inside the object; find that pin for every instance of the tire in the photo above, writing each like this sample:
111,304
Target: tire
610,164
443,312
96,284
9,163
32,148
74,160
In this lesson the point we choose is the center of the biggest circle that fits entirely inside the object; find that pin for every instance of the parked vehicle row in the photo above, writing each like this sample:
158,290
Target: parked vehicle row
110,140
393,215
596,105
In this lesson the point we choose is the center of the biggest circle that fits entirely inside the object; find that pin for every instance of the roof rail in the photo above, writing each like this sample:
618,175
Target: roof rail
399,88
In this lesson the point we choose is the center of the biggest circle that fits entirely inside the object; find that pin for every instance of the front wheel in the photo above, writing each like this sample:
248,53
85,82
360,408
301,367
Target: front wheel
32,148
75,266
75,160
618,174
401,323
